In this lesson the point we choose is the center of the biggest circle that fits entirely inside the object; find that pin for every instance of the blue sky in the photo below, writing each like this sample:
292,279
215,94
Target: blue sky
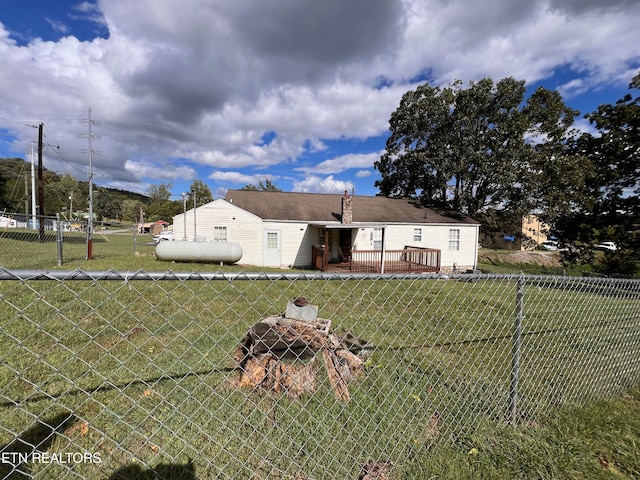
297,92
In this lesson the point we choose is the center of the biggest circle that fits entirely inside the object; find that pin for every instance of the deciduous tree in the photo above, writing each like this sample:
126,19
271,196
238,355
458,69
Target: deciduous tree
202,191
610,209
159,193
482,147
266,186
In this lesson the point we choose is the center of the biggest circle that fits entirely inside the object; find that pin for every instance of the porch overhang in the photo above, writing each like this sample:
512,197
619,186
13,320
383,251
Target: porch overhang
349,226
345,226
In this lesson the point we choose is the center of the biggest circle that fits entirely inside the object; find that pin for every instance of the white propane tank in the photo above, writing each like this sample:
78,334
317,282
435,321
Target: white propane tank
204,252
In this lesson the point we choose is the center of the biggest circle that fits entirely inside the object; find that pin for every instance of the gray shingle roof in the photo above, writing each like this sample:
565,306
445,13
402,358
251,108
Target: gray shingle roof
324,207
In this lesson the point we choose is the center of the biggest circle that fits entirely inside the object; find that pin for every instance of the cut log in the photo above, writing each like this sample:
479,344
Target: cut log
267,373
336,379
354,364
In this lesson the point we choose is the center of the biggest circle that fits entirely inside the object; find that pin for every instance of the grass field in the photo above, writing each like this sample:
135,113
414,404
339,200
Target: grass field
141,372
21,249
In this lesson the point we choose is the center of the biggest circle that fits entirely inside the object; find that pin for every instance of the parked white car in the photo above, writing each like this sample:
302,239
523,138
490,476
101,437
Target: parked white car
607,246
549,245
164,236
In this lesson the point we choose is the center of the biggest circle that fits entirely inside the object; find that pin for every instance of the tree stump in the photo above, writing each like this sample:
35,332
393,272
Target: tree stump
278,355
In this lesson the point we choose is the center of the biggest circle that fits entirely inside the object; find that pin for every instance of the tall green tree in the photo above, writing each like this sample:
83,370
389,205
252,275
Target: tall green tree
15,185
266,186
202,192
610,209
160,206
159,193
58,189
131,210
483,147
615,153
106,206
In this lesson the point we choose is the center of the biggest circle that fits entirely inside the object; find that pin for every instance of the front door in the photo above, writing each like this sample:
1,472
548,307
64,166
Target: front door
271,248
345,245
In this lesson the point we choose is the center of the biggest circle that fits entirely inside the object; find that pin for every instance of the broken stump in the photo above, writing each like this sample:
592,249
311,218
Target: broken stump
279,354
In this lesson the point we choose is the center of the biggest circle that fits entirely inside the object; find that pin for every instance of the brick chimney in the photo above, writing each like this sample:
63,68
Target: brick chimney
347,212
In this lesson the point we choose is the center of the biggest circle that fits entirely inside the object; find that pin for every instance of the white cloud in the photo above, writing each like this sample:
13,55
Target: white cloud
314,184
343,162
57,25
143,169
204,84
519,38
241,178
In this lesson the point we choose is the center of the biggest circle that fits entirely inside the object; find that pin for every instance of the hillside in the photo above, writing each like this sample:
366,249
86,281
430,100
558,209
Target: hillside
534,262
15,191
535,257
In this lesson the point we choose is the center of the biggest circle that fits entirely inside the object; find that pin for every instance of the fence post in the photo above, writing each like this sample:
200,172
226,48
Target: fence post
515,356
59,238
135,240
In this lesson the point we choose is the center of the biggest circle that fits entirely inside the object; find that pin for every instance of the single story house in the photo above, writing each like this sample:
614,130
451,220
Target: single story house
8,222
152,228
326,231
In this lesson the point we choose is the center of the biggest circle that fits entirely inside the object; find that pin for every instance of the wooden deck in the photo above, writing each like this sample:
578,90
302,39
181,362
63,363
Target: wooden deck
407,260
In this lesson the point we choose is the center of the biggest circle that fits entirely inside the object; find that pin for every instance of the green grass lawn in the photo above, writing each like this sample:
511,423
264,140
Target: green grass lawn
142,373
596,441
118,251
146,369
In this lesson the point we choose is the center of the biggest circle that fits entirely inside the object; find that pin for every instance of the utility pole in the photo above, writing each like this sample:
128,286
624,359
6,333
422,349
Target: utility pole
90,221
40,184
33,188
26,197
184,215
195,206
90,224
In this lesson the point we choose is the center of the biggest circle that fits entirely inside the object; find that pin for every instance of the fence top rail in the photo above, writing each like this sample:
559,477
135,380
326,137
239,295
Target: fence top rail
25,215
400,250
114,275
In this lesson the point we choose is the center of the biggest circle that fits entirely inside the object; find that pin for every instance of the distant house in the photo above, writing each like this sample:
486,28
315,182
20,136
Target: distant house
153,228
518,233
16,220
326,231
534,232
8,222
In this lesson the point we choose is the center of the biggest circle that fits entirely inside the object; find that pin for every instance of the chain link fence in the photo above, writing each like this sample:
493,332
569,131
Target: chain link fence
113,375
44,242
39,241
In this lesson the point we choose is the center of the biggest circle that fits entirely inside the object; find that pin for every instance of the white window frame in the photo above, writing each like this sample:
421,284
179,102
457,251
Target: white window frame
220,233
417,234
454,239
376,238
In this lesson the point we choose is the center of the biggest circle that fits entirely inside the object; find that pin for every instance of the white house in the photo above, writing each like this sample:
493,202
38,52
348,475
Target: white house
8,222
291,229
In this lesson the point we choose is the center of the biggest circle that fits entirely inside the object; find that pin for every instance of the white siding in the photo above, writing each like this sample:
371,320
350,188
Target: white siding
295,241
296,238
247,230
243,228
433,236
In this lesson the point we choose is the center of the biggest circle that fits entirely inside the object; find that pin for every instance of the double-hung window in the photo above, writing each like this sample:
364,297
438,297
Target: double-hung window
377,238
219,234
454,239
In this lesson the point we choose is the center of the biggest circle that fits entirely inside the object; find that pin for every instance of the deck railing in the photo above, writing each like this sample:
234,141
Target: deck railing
318,258
409,259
